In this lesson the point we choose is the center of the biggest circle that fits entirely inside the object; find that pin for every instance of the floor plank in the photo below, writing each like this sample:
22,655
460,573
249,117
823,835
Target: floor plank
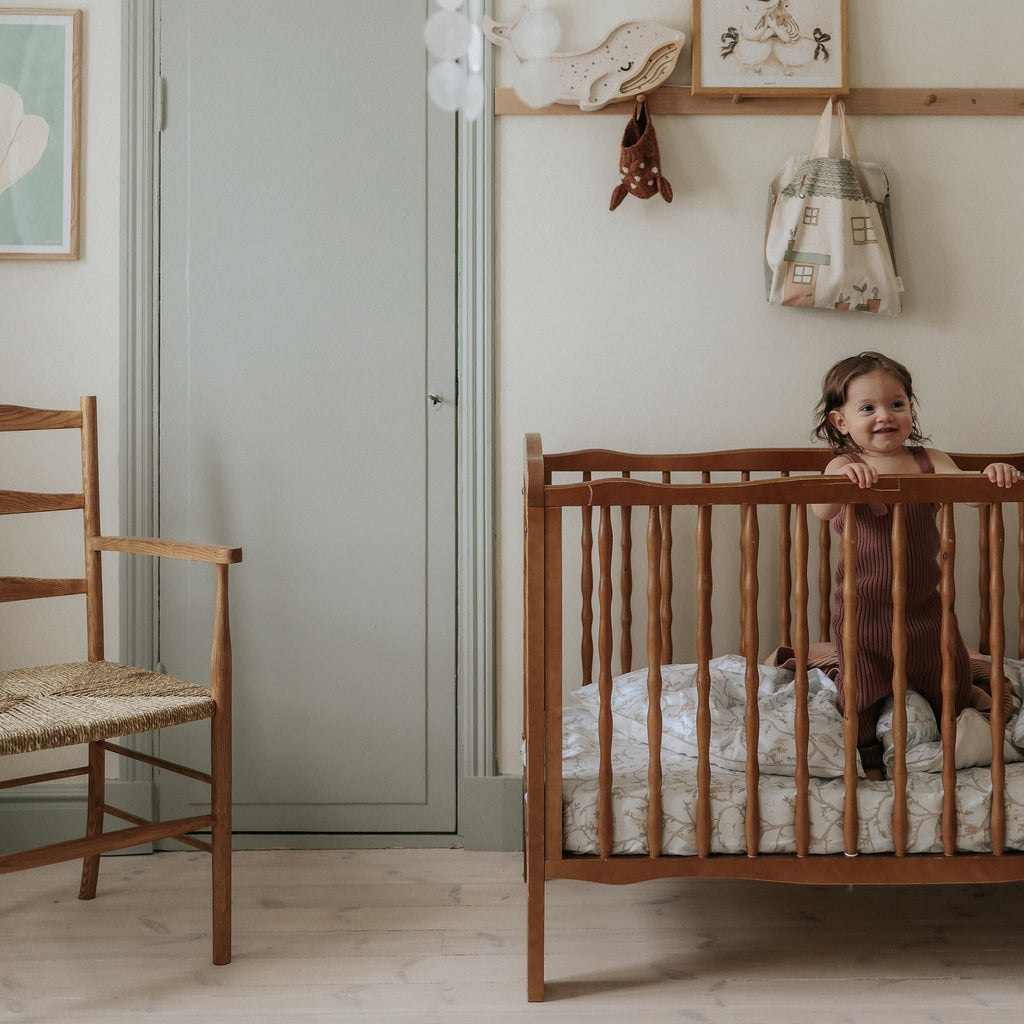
438,936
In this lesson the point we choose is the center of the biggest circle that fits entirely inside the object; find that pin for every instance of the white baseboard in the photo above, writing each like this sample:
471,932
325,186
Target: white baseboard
491,812
490,818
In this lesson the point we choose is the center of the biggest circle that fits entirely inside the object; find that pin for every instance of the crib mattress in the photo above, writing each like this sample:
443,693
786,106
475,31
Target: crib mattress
776,792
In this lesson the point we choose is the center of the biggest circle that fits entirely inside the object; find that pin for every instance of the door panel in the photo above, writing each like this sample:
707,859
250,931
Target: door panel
307,310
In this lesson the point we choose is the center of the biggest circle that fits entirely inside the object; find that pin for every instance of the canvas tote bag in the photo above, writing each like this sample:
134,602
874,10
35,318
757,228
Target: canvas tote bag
828,242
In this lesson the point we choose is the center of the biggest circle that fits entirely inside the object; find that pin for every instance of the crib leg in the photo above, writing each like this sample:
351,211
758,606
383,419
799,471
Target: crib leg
535,935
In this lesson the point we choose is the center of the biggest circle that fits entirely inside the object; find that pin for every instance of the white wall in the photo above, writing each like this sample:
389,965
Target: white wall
646,328
59,332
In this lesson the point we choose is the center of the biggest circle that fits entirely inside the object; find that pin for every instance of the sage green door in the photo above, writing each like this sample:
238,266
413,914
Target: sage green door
307,314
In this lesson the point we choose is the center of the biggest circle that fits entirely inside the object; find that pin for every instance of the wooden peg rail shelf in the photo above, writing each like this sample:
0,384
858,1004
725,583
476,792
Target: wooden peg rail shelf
892,102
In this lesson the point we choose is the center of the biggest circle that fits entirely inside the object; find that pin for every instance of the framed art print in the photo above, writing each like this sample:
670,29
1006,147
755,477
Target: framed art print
770,47
40,147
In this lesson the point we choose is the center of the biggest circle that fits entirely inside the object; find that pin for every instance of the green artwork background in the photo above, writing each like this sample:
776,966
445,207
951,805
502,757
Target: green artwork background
32,61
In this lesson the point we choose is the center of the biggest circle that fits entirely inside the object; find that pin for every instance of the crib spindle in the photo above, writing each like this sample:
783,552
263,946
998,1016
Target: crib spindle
997,682
1020,580
654,663
825,583
587,591
801,726
850,718
605,825
947,642
984,573
626,587
785,575
900,825
705,587
750,538
666,577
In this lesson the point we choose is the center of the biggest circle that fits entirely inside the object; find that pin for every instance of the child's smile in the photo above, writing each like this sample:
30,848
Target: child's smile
877,414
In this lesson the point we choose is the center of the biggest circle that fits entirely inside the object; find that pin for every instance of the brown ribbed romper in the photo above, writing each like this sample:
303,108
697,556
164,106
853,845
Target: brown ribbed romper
875,609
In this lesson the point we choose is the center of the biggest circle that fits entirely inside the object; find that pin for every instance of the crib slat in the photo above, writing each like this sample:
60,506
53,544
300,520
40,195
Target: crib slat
801,726
587,591
605,825
626,588
947,591
654,663
705,587
750,538
825,583
997,681
665,570
900,825
849,641
1020,580
785,575
984,572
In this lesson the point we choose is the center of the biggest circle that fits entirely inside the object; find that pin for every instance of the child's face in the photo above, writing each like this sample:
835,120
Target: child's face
877,414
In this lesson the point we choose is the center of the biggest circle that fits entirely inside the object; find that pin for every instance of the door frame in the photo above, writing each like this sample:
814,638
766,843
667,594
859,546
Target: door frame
488,804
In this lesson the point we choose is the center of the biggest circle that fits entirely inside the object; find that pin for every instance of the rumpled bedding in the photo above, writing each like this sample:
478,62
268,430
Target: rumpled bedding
777,757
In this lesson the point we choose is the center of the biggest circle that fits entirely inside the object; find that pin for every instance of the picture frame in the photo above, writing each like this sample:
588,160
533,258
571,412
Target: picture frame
770,48
40,121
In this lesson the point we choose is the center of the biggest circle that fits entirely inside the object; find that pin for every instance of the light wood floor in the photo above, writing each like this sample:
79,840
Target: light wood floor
437,936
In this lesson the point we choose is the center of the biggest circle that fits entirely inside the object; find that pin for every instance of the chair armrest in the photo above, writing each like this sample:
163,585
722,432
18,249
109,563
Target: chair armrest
163,548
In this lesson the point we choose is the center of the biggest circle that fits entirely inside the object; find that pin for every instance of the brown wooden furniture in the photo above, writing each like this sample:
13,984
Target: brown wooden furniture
671,99
728,495
96,701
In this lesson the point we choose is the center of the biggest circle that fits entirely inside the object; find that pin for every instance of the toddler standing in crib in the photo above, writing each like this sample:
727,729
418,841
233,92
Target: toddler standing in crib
867,416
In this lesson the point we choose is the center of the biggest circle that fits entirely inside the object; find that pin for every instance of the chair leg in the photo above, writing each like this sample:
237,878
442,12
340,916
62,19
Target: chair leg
94,819
221,892
220,772
220,838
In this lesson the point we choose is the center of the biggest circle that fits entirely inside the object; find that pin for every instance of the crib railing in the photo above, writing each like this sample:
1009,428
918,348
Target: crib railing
618,497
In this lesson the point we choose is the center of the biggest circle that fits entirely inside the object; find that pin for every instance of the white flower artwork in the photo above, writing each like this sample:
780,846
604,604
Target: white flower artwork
23,138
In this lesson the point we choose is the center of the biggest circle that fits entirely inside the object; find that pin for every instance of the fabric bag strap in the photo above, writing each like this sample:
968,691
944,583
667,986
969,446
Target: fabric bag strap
849,149
821,144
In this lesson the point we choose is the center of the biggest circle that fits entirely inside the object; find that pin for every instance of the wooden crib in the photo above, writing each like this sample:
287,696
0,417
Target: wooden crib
582,510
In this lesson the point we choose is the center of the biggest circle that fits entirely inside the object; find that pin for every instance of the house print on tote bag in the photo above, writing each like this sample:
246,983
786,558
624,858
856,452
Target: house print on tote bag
828,242
838,251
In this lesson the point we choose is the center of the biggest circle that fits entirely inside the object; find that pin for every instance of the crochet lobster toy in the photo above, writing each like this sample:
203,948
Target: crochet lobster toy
640,162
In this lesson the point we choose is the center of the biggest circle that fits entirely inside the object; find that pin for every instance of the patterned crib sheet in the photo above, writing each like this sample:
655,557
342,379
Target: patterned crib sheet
776,750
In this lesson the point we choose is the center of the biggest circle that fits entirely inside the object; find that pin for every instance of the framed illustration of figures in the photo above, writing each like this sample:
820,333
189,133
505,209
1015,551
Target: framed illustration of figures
770,47
40,146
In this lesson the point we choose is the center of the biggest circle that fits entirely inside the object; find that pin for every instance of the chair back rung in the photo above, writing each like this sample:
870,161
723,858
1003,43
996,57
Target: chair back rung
19,417
26,588
17,502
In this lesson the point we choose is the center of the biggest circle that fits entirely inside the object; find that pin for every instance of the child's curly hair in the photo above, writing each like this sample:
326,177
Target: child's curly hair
833,396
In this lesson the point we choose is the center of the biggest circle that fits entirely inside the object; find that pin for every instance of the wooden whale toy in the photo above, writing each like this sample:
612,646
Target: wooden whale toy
635,57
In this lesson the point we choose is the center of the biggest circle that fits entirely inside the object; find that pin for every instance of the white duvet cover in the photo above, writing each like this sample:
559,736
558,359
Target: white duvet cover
776,752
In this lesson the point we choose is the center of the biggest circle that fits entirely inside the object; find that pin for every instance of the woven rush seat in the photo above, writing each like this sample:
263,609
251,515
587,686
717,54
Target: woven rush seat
79,702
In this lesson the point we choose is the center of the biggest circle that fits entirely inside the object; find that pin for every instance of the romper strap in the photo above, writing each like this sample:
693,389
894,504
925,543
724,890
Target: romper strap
923,459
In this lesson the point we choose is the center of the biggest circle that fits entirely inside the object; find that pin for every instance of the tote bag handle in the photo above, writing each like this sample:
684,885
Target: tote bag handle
821,144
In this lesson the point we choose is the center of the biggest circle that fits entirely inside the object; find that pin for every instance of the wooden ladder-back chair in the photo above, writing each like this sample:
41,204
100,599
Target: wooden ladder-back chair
96,701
